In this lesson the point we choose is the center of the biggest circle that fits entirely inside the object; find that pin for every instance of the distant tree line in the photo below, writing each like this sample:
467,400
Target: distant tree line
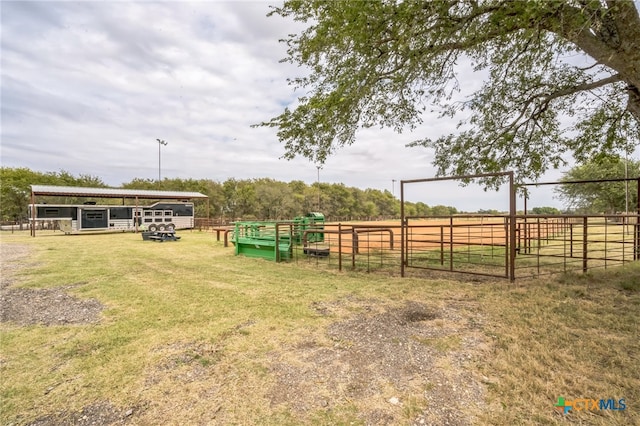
229,200
268,199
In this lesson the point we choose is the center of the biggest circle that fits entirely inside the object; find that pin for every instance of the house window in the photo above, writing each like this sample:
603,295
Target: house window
95,215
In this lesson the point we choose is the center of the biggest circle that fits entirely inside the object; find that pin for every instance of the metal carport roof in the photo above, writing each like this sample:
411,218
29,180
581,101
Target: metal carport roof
77,191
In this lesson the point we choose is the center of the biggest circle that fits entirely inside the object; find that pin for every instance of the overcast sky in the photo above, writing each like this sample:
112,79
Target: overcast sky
88,87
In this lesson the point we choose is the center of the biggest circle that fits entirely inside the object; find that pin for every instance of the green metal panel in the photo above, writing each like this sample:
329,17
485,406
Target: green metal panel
315,220
263,249
312,220
258,239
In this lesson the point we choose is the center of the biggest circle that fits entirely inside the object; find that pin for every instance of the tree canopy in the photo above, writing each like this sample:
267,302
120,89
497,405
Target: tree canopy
229,200
601,197
561,79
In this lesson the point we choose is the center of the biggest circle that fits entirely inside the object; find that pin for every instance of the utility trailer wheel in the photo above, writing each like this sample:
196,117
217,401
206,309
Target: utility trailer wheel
153,228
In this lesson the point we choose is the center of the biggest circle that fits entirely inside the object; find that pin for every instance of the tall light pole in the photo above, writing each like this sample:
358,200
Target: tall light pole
160,143
393,187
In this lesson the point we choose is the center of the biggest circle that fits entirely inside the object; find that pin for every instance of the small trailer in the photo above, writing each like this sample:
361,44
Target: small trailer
72,219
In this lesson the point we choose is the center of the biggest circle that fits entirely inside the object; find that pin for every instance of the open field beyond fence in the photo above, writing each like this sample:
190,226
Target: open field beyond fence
110,329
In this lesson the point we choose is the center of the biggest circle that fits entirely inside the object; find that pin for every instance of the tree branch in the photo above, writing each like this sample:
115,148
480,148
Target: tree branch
585,87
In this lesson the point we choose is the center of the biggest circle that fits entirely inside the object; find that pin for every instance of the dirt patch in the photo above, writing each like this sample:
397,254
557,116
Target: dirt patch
51,306
101,413
184,362
392,364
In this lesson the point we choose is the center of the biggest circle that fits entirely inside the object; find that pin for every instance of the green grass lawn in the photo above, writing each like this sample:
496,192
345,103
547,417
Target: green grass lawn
191,334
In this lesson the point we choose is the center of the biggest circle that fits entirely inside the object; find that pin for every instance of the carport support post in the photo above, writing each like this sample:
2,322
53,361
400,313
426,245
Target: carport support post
135,218
512,228
33,214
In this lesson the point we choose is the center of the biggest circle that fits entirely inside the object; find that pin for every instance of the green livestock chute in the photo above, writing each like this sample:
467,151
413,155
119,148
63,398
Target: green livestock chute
313,221
266,240
275,240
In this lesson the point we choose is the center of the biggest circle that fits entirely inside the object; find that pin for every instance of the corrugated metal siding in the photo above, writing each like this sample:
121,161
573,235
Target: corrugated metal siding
77,191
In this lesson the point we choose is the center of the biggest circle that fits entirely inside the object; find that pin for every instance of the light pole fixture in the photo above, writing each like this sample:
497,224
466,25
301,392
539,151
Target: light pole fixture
393,187
160,143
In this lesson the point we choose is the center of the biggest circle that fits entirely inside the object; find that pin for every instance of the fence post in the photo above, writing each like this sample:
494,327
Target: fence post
355,242
564,243
339,246
636,234
571,239
584,244
451,243
442,245
512,228
636,237
403,229
506,245
354,247
546,237
524,235
539,231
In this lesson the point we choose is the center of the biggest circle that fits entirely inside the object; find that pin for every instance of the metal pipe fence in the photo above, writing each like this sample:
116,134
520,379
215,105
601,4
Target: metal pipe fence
470,244
479,245
577,243
367,248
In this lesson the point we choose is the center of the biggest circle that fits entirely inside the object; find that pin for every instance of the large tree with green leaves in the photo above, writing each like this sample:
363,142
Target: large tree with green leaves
606,196
15,188
562,78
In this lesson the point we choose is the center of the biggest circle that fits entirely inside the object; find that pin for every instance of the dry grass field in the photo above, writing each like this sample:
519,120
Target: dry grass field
109,329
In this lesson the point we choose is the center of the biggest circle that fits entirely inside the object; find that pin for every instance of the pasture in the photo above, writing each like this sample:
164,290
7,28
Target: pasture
110,329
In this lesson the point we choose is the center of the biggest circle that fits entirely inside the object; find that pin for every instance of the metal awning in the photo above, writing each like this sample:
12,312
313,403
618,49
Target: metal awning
77,191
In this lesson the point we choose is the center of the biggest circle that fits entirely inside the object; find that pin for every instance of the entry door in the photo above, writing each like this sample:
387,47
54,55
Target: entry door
93,219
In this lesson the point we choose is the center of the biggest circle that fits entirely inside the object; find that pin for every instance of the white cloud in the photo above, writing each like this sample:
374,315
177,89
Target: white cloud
87,87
